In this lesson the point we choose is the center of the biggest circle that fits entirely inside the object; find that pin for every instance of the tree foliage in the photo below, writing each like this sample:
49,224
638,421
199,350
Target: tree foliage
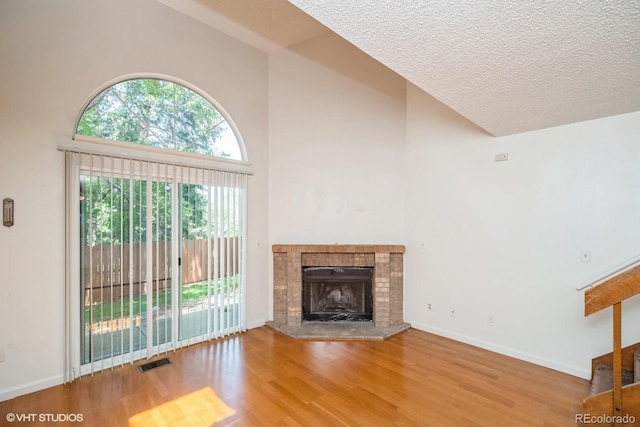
161,114
158,113
113,211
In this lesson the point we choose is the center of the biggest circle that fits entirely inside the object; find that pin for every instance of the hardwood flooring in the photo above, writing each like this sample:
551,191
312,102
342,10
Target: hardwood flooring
263,378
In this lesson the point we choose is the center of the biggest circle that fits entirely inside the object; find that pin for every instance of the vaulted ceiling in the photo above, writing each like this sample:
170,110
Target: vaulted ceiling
509,66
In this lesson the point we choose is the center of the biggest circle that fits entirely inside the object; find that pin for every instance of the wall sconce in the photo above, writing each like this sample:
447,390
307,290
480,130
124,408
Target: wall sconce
7,212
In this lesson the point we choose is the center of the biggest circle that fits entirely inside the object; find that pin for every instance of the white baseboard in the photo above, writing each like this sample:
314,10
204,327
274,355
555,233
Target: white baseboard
256,324
517,354
10,393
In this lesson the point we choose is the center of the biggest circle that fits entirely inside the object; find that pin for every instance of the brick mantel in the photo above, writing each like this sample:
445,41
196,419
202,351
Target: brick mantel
343,249
386,260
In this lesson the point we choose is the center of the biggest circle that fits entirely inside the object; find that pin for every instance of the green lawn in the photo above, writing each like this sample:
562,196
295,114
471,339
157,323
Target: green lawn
122,307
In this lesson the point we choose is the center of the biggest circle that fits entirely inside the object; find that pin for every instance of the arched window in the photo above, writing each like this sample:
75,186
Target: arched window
162,114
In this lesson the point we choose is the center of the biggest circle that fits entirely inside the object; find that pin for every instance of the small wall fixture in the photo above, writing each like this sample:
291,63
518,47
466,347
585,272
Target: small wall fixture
7,212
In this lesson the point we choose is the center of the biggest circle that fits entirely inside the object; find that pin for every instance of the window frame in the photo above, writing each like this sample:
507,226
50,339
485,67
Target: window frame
157,153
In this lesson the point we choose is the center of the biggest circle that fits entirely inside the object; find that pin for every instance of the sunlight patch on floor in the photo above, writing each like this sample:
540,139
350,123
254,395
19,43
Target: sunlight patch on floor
200,408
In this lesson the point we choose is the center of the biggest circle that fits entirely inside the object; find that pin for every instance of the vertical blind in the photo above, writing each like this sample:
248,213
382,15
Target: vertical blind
154,258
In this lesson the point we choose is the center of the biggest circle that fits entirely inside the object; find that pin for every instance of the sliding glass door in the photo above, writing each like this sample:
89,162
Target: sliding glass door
160,257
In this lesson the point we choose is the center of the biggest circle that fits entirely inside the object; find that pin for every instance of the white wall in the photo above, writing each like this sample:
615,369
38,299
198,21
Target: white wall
504,239
336,146
54,55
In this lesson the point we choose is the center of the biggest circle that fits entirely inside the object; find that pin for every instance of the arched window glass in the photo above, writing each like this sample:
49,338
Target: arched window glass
162,114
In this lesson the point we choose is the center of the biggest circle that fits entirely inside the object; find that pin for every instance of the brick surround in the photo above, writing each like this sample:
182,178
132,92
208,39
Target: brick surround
386,260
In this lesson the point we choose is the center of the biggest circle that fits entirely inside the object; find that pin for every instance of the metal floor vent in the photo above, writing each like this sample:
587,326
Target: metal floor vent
155,364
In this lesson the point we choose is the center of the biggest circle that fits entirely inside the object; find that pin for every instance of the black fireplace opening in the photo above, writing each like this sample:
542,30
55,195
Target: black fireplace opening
337,293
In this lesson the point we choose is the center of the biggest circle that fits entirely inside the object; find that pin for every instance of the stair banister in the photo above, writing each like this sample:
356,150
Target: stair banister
611,290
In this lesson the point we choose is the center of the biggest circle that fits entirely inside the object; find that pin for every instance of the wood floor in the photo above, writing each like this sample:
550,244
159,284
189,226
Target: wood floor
263,378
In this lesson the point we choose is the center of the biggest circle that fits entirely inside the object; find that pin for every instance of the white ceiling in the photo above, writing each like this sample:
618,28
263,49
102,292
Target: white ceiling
268,25
509,66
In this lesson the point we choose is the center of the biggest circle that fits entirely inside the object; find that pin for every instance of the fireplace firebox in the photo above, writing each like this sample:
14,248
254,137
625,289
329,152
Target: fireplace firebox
337,293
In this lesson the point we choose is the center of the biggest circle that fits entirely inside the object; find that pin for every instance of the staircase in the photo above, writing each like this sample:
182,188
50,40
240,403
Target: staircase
614,399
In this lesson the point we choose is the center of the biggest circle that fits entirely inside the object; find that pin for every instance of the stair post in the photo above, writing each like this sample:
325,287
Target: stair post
617,361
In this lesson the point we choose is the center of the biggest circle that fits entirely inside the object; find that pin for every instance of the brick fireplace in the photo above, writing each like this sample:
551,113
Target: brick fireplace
385,260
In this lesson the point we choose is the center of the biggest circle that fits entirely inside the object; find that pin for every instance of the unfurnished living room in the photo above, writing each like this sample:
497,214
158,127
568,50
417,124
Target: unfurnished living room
305,212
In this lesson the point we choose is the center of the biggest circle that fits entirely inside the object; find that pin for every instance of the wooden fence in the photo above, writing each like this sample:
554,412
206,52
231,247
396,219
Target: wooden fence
108,274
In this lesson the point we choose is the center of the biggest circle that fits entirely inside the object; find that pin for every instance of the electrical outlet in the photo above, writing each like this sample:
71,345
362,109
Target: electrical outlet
429,306
452,311
492,320
503,157
585,255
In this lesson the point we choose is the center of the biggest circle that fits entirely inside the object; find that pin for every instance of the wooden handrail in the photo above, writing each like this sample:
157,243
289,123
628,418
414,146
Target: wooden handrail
613,291
633,262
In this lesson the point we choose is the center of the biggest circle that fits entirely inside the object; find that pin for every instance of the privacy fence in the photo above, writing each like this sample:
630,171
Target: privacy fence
113,271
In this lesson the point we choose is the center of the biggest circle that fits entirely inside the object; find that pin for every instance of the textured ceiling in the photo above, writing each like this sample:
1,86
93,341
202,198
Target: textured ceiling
509,66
